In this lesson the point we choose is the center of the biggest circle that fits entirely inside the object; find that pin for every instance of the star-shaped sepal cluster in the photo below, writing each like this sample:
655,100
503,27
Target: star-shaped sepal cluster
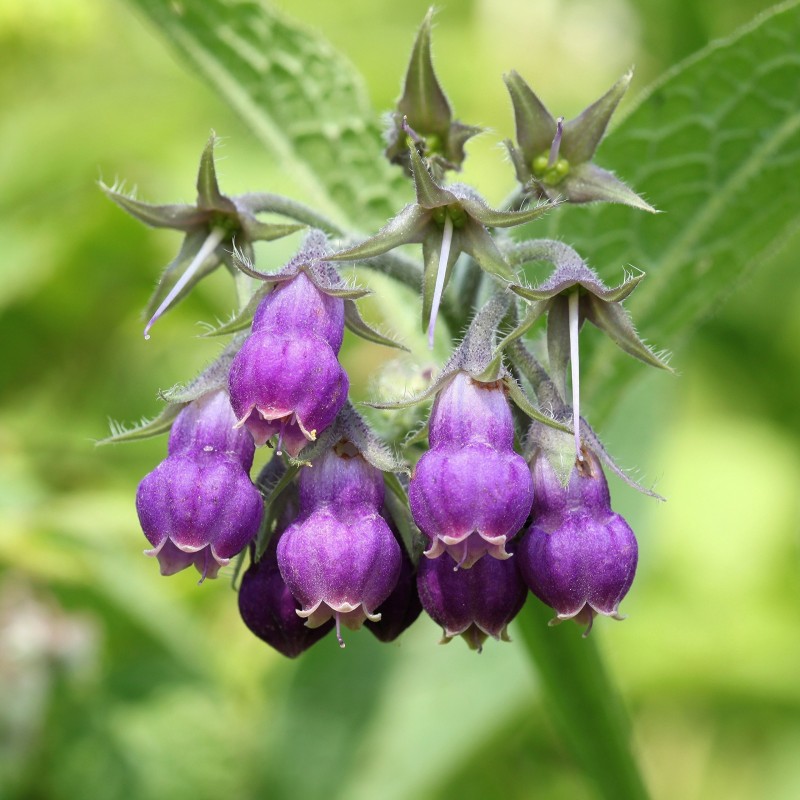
447,222
213,227
554,159
574,282
423,114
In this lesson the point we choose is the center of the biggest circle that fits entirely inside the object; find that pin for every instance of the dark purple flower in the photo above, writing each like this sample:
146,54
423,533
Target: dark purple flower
473,603
269,610
578,556
401,608
340,559
470,492
199,506
286,379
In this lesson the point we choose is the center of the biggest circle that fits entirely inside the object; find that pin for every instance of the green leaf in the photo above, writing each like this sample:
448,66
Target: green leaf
716,145
583,702
302,99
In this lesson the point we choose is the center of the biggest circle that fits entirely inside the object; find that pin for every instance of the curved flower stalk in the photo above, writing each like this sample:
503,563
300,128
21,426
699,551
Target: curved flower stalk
199,506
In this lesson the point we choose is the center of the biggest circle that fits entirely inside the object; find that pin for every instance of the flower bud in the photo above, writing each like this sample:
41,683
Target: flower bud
473,603
199,505
578,556
470,492
286,380
270,611
340,559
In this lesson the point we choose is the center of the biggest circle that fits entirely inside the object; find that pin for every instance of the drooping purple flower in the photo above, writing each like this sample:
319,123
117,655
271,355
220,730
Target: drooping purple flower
473,603
578,556
470,492
286,379
199,506
340,559
270,611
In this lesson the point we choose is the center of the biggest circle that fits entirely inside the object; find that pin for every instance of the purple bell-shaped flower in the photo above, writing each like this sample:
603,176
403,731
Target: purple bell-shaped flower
578,556
286,379
199,506
270,611
470,493
340,559
473,603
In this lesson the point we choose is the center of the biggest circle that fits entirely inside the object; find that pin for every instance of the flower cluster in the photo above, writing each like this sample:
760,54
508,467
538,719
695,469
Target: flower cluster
351,522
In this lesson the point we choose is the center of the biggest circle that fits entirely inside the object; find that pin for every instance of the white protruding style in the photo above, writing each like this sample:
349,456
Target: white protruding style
444,256
209,246
576,378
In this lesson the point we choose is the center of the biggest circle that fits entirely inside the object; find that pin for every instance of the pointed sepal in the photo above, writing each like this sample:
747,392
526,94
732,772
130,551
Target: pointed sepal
423,116
407,227
582,135
429,193
554,160
588,183
350,426
181,217
535,125
356,323
209,196
616,323
424,102
145,429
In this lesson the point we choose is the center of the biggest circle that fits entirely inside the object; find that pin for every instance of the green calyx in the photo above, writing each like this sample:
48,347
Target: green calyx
550,175
454,211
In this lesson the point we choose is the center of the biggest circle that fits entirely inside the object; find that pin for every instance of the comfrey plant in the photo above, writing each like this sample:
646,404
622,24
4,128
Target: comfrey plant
355,523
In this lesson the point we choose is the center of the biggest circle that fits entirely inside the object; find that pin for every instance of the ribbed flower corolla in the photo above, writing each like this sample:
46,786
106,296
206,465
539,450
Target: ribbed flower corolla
473,603
286,380
199,506
470,492
578,556
340,559
270,611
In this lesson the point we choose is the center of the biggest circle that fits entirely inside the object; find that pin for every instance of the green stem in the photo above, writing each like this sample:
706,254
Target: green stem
263,202
557,253
531,368
585,704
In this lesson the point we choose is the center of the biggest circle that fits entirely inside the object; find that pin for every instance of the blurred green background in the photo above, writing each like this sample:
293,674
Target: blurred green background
116,683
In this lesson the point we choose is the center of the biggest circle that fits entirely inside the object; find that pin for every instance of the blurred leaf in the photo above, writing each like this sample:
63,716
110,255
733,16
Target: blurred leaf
302,99
584,703
716,145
